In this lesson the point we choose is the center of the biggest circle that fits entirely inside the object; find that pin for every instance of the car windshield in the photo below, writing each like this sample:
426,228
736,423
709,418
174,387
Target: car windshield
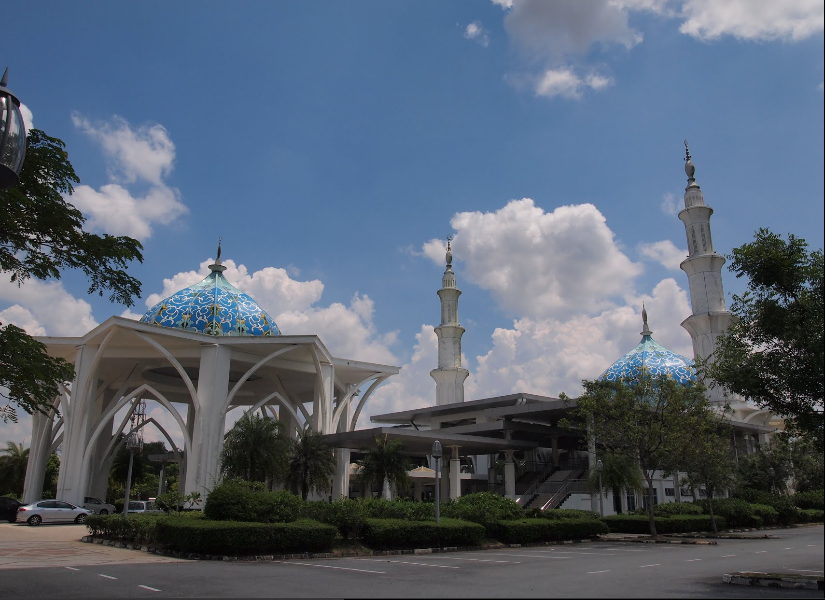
136,506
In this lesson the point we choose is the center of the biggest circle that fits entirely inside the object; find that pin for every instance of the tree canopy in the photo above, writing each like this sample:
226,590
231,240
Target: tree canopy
41,234
772,353
311,463
384,464
650,420
255,450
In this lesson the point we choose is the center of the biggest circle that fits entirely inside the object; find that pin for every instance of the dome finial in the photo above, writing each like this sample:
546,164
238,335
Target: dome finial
217,266
449,253
5,81
690,169
645,328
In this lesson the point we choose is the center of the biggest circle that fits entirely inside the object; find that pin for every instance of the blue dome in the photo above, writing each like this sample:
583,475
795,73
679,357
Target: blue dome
652,359
215,307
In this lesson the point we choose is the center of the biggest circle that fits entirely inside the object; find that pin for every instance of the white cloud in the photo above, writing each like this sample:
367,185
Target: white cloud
144,155
664,252
28,118
45,308
536,263
565,83
476,32
670,204
755,20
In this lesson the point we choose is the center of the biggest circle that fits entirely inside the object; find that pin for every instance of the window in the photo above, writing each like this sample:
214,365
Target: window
631,502
703,493
670,492
687,492
92,501
63,505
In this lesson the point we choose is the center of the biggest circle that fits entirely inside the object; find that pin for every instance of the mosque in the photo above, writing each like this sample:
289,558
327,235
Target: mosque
210,348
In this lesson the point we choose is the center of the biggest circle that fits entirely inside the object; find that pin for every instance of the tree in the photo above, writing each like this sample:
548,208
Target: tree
384,464
772,353
255,450
808,466
755,469
620,473
710,463
651,421
311,463
13,461
50,480
41,234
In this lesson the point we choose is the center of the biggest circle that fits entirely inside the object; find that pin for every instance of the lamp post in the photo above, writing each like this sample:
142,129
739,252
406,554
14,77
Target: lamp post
773,480
134,443
600,468
12,136
437,454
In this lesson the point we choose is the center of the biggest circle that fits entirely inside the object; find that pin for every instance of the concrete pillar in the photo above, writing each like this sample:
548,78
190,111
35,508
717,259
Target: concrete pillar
455,475
340,481
202,469
417,490
41,441
623,500
445,480
509,474
554,444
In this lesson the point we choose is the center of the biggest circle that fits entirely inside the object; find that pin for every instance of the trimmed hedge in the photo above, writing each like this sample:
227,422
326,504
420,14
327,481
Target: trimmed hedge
811,515
230,537
567,513
664,525
813,499
783,505
398,533
134,528
483,508
527,531
767,513
737,512
677,508
233,500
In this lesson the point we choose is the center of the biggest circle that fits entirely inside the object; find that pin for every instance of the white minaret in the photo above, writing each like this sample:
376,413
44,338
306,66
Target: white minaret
449,376
704,270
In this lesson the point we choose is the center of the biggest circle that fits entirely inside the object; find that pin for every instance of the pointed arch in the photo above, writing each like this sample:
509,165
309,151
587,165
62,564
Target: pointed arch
257,366
178,367
363,401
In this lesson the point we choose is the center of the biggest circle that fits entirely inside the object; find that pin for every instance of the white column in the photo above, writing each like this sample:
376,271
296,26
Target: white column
340,483
455,475
203,468
509,474
38,456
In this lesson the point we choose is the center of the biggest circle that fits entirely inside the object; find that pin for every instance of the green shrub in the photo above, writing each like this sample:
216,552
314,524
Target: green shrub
567,513
134,528
119,505
398,533
813,499
348,516
766,512
811,515
235,500
532,530
783,505
229,537
483,508
737,512
677,508
664,525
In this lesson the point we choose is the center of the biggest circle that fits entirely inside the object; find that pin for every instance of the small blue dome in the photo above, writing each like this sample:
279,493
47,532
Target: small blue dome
215,307
654,360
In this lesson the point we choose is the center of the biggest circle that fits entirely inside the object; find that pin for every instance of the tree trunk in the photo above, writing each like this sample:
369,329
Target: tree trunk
650,517
710,510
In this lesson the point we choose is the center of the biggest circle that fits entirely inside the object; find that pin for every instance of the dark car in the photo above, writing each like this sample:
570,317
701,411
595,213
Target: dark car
8,508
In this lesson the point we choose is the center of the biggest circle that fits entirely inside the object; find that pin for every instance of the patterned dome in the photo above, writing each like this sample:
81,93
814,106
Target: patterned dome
653,359
215,307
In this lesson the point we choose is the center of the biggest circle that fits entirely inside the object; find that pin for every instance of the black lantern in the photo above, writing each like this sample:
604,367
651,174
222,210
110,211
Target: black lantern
12,136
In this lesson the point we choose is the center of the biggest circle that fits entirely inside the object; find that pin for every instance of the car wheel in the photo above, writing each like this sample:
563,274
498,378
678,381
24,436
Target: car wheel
80,519
35,520
103,512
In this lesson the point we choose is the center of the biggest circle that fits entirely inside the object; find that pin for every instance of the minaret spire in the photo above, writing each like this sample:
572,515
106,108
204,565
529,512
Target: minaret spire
449,376
216,266
703,266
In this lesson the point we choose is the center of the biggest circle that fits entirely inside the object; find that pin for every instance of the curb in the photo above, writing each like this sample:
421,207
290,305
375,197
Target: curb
804,582
309,555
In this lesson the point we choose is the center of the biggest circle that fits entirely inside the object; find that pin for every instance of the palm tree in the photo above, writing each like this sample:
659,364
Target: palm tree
255,450
13,461
311,463
384,464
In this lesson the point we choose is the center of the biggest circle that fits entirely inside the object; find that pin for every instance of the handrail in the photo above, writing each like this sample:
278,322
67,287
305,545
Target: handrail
543,475
565,483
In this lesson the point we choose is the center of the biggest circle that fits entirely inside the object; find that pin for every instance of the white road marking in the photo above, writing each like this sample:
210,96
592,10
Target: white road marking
530,556
574,552
329,567
106,576
806,570
515,562
71,568
791,548
594,572
728,555
418,564
151,589
645,566
760,552
693,559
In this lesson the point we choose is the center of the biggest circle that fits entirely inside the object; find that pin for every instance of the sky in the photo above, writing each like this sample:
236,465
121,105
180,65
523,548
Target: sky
333,146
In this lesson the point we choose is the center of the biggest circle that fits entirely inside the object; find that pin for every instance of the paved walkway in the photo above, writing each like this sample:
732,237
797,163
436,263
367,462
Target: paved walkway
25,547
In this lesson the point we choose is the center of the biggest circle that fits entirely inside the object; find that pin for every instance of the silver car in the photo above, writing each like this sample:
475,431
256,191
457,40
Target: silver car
98,506
51,511
143,507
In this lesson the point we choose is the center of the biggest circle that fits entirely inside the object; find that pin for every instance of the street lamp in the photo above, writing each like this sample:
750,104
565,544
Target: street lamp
134,443
600,468
773,480
437,454
12,136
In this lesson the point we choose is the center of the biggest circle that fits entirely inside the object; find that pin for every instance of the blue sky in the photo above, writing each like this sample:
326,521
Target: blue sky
331,143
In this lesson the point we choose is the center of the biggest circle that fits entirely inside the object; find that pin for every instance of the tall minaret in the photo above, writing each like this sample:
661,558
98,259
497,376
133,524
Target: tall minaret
704,270
449,376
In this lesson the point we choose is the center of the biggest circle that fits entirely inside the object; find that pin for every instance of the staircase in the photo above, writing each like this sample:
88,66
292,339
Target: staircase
557,486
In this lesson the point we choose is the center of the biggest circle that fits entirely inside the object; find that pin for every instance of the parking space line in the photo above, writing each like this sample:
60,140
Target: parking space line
791,548
693,559
727,555
646,566
418,564
514,562
807,570
106,576
151,589
529,556
594,572
71,568
760,552
574,552
289,562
